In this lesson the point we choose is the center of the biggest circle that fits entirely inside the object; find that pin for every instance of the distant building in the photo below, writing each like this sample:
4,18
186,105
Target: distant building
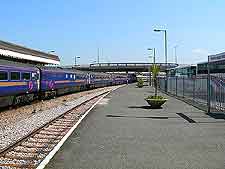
217,64
183,71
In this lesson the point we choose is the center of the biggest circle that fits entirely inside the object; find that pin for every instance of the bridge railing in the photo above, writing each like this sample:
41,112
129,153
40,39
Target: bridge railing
132,64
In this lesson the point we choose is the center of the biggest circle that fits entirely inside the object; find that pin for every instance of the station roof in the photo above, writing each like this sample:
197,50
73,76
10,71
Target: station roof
15,51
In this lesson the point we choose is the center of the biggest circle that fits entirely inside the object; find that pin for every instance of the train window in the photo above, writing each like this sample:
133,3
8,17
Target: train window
3,75
74,77
26,76
15,75
66,75
71,76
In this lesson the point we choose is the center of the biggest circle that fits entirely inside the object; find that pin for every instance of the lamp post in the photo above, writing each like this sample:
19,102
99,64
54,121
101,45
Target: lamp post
175,53
165,41
151,49
98,55
76,57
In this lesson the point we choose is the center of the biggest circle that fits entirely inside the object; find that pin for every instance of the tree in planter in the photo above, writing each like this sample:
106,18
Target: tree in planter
155,71
155,101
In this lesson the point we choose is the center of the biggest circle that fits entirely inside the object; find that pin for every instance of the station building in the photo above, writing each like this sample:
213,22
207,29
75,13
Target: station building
13,53
217,64
183,71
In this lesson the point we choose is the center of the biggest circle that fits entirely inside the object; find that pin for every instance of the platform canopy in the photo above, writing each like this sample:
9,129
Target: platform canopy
15,51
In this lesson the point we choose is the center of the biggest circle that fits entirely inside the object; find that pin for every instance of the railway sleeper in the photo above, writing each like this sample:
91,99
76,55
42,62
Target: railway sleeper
15,163
65,120
31,150
24,156
56,130
59,127
52,133
46,136
37,145
39,140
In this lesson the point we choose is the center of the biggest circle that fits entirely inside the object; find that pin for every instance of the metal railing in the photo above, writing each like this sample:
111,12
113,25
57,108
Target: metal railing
132,64
195,89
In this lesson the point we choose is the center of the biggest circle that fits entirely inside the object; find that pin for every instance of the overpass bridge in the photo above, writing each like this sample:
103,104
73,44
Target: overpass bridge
122,67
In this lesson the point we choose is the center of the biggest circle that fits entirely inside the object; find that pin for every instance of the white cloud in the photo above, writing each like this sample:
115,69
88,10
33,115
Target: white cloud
200,51
199,55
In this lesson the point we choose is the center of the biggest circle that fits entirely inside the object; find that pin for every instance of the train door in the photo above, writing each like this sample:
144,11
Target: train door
38,80
89,79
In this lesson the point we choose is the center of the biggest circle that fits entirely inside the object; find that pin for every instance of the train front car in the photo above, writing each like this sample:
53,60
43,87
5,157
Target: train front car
56,82
18,84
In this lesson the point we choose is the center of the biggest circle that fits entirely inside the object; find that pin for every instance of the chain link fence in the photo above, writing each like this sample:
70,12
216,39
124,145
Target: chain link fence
202,90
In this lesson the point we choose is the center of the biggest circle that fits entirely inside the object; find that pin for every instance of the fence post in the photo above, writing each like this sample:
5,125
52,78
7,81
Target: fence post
176,86
220,92
183,87
194,79
164,87
166,84
150,79
208,88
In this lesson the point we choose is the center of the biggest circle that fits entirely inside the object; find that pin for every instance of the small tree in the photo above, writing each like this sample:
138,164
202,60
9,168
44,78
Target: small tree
140,82
155,71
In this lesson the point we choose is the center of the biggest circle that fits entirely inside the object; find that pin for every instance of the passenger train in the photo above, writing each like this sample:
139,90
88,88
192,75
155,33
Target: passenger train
23,84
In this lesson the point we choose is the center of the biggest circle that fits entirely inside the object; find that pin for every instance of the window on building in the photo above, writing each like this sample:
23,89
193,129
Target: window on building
15,75
3,75
26,76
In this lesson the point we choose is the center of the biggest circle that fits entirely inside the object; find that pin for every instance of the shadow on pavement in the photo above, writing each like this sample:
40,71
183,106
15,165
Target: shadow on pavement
217,115
143,107
148,117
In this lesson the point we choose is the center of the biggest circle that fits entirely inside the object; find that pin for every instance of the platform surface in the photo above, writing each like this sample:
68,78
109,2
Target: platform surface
122,132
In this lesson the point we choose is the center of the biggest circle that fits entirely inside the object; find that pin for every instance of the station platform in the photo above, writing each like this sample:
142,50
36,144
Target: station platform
122,132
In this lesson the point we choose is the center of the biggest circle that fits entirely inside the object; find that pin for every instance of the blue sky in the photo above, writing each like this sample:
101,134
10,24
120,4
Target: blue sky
122,29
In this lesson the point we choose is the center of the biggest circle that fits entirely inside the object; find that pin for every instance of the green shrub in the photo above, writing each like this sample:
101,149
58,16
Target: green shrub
140,82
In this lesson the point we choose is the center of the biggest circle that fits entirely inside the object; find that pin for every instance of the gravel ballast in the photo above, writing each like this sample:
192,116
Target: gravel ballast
16,129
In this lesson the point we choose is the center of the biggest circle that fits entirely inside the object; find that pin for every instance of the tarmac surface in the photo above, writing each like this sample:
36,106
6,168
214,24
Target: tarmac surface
122,132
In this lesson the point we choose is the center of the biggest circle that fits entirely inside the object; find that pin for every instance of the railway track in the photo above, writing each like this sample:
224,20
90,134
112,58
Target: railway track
31,150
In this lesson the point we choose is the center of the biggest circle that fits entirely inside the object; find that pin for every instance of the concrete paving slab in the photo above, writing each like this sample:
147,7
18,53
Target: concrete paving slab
129,138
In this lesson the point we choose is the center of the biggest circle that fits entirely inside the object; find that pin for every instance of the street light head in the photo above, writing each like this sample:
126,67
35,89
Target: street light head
149,49
157,30
51,51
77,56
